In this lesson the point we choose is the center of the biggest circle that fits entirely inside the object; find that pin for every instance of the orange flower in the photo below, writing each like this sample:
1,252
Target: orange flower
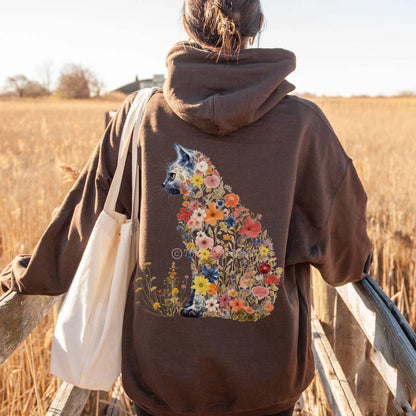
185,203
237,304
213,289
269,307
249,310
213,215
232,200
226,237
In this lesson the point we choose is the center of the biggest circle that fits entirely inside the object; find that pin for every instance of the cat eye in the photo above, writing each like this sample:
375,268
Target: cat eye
172,176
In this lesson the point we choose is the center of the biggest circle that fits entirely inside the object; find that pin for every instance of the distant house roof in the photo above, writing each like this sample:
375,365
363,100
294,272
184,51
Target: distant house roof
156,81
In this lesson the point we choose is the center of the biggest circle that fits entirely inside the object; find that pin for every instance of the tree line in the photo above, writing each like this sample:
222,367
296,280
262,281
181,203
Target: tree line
74,81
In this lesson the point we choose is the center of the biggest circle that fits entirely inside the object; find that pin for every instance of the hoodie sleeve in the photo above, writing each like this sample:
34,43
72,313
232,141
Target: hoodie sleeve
51,267
328,226
343,250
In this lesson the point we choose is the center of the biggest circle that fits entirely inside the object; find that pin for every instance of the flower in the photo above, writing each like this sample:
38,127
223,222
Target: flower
237,212
244,292
260,292
179,228
264,251
209,171
183,286
199,215
256,242
252,228
268,307
204,254
220,204
271,279
279,270
193,223
217,252
268,243
197,180
212,304
213,289
233,293
232,200
230,221
212,181
185,203
201,285
156,305
224,300
249,310
185,236
175,290
213,215
184,215
264,268
202,166
147,264
226,237
204,241
193,205
240,240
210,273
237,304
190,246
246,280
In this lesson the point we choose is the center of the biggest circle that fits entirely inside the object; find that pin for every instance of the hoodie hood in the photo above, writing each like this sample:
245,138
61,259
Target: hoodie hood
222,94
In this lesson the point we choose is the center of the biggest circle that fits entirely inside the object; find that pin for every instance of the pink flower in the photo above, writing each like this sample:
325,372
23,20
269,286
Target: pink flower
252,228
204,241
217,252
212,181
260,292
193,205
246,279
223,300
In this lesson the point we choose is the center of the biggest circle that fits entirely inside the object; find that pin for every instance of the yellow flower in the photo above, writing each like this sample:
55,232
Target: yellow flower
233,293
186,197
147,264
175,290
190,245
201,285
204,254
208,171
279,270
156,305
264,251
197,180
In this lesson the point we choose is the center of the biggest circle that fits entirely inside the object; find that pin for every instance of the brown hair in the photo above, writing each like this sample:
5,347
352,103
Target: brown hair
222,24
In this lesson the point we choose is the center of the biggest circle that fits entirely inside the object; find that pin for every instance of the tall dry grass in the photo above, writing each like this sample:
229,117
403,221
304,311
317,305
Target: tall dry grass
36,136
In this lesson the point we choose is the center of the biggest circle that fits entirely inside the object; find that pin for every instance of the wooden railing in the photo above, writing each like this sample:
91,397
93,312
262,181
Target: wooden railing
364,349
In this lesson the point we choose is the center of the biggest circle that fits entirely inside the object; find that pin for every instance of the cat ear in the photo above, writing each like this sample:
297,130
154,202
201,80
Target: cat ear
184,154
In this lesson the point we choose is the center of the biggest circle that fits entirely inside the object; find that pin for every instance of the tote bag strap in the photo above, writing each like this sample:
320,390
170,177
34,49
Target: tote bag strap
133,120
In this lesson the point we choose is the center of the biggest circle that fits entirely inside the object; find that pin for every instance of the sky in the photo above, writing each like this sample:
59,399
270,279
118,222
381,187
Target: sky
343,47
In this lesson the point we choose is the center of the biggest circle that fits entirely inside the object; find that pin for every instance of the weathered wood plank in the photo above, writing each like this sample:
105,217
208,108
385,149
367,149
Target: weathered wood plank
19,315
336,386
69,401
393,353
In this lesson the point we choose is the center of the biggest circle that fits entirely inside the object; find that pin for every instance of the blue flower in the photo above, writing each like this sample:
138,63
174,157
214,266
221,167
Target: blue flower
241,239
211,273
257,242
220,203
179,228
189,255
230,221
233,276
185,236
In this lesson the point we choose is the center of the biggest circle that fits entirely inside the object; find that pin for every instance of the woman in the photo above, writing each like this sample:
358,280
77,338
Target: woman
243,188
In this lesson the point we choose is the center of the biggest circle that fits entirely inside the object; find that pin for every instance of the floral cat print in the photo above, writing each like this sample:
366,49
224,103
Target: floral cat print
234,274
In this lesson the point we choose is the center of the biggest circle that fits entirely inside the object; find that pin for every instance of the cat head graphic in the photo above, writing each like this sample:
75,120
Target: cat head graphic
180,170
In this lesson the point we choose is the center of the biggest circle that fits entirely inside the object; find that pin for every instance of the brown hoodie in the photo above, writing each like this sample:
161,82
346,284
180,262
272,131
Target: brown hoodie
243,188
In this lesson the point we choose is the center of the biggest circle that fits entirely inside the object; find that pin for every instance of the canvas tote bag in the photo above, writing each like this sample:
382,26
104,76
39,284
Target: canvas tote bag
86,347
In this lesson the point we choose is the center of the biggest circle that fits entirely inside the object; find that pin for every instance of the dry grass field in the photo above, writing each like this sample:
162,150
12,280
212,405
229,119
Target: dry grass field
36,136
